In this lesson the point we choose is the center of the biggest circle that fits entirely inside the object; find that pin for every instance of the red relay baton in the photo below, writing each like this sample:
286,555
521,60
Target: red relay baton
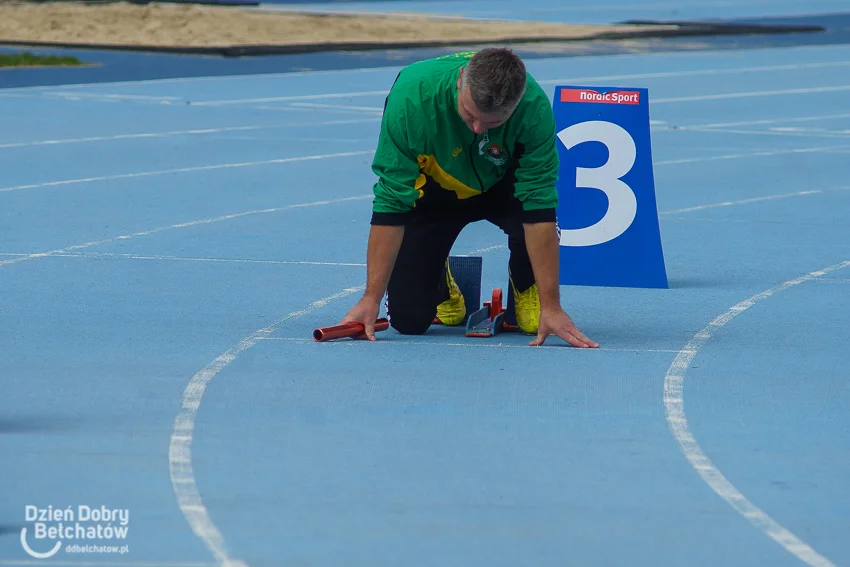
345,330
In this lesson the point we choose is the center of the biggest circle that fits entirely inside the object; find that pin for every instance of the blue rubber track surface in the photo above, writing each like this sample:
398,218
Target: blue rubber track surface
167,248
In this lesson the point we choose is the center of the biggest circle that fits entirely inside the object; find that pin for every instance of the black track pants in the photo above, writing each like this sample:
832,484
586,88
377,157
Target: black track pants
418,283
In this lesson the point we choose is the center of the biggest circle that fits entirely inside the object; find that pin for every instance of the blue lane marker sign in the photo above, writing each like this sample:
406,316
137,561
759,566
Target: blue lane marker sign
607,215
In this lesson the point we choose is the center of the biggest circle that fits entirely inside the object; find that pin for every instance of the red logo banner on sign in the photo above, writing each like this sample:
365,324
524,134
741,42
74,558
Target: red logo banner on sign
587,95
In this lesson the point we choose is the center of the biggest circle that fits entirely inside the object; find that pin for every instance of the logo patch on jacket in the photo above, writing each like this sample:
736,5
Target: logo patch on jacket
494,154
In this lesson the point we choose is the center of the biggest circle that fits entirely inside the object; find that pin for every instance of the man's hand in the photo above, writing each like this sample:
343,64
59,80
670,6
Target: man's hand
384,243
557,322
542,243
366,312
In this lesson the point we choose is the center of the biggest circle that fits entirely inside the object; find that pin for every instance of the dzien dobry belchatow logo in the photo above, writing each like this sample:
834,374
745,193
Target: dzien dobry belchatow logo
88,529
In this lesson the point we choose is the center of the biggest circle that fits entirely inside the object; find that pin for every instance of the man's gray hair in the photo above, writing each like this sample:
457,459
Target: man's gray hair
496,80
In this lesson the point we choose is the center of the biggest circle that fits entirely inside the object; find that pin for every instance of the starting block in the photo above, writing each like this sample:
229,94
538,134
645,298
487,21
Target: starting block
495,316
489,320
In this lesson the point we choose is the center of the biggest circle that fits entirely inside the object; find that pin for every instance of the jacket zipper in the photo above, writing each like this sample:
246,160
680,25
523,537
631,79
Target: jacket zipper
472,162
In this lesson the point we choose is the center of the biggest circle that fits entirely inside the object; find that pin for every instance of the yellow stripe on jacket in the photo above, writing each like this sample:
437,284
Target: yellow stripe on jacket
428,166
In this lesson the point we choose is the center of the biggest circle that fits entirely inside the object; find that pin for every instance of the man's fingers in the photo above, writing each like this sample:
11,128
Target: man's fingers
581,336
573,340
577,338
542,333
567,331
370,332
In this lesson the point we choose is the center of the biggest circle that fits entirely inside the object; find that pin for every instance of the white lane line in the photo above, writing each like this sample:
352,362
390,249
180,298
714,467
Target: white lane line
69,251
22,91
180,453
472,344
664,75
369,120
366,152
391,68
180,449
751,154
701,72
696,98
799,130
308,110
371,109
216,78
191,259
772,132
294,107
180,467
180,458
203,131
75,247
770,121
757,221
741,202
344,264
674,404
353,264
322,96
751,94
92,97
485,250
27,562
186,170
111,96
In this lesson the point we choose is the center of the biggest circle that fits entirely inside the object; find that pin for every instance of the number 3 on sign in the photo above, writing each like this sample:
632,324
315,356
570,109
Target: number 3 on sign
622,203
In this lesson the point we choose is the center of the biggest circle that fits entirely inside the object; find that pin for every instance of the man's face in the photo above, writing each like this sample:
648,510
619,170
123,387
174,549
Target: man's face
476,120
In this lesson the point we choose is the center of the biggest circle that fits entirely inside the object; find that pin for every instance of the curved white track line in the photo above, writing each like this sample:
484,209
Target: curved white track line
674,405
180,449
180,454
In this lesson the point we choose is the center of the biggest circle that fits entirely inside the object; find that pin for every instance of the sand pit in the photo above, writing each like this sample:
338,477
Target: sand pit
194,26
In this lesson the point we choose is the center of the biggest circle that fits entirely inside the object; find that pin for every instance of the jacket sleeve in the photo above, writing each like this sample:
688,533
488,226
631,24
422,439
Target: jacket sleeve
537,163
395,163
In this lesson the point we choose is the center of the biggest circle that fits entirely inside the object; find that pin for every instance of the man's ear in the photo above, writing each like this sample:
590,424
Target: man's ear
459,78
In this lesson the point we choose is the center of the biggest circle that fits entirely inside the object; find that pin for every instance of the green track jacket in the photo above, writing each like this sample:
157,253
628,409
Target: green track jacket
423,136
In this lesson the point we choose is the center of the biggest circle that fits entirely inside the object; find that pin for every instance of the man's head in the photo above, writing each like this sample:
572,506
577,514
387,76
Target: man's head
489,88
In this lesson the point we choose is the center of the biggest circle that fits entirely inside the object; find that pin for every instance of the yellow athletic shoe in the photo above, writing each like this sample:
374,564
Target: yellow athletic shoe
527,309
453,310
